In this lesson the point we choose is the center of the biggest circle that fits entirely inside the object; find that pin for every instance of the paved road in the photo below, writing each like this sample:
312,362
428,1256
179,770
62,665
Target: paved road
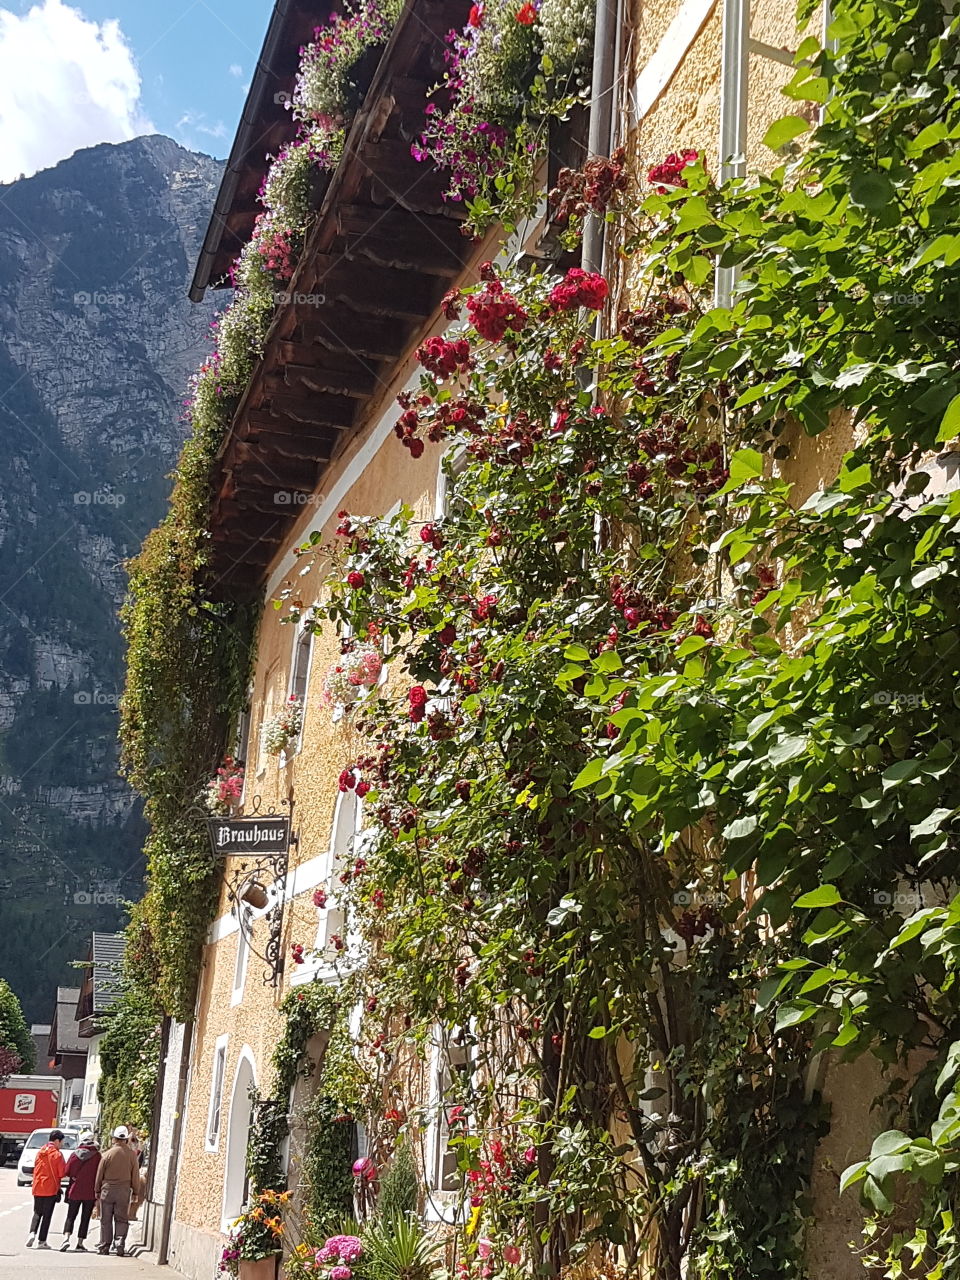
20,1263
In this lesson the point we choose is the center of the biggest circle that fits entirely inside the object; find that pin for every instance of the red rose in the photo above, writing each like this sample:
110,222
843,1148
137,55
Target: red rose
320,898
355,579
347,781
476,15
448,634
526,15
362,789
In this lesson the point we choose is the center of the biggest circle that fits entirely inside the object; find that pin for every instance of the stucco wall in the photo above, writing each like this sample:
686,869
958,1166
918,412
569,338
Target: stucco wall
309,778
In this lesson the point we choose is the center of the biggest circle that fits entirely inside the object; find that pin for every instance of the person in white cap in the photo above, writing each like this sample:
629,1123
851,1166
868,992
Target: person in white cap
117,1178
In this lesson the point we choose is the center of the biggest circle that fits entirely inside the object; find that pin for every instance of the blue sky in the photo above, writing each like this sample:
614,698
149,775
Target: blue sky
77,72
195,58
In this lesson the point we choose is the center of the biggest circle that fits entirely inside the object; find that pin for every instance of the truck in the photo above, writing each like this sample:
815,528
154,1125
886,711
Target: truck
26,1103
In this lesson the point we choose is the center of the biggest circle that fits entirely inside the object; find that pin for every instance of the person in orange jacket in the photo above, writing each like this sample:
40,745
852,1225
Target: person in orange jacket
49,1170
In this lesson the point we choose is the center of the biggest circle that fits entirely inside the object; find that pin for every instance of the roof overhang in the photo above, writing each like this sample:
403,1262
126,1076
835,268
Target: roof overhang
265,125
383,250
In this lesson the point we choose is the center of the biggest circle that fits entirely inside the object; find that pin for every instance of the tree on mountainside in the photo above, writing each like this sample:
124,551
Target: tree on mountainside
17,1052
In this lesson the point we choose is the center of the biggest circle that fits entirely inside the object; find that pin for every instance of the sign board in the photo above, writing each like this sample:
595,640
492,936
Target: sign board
24,1104
231,837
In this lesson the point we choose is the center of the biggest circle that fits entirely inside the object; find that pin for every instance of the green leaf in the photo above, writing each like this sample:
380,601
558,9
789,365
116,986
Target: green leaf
872,190
852,1175
950,425
792,1014
746,464
828,895
740,828
889,1143
597,1033
784,130
576,653
934,820
588,775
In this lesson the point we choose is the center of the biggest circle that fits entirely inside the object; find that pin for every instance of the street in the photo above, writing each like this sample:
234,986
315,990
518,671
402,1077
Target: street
16,1207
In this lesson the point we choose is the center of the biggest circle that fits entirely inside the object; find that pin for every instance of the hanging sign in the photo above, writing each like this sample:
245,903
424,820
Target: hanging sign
238,836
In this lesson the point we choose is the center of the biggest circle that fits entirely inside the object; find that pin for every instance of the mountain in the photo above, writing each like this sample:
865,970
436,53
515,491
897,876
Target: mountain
97,342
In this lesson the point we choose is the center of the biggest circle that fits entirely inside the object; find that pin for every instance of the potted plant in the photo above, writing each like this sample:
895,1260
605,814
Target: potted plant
222,794
256,1238
354,673
282,730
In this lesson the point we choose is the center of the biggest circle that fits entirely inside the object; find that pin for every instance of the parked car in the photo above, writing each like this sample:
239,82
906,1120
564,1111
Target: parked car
32,1145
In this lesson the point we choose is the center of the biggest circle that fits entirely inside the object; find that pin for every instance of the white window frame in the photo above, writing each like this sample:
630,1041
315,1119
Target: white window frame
242,961
442,1204
456,459
299,680
344,832
211,1139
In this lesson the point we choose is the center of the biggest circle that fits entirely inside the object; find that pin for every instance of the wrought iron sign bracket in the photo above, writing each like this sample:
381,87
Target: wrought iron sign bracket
260,842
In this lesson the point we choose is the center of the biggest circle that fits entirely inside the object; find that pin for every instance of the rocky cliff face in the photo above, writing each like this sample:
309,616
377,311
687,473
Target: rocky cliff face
97,341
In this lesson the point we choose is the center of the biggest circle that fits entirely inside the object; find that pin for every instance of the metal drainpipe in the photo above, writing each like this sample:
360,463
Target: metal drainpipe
170,1190
735,67
601,117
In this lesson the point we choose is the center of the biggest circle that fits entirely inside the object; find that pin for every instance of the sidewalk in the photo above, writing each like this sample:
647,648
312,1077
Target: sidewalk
17,1262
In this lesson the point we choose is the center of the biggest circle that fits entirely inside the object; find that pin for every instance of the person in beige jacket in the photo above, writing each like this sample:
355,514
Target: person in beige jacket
118,1178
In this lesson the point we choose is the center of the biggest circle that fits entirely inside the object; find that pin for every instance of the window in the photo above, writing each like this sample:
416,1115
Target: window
450,1086
452,464
243,953
300,678
332,921
216,1094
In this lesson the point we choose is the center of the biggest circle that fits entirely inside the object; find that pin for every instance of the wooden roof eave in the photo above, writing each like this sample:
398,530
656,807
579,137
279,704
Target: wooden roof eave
385,291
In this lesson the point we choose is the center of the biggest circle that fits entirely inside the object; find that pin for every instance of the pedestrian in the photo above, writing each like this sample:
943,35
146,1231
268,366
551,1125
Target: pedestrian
137,1200
118,1177
81,1191
48,1173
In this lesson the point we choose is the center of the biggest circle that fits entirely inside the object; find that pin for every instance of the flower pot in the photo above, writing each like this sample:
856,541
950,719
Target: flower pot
259,1269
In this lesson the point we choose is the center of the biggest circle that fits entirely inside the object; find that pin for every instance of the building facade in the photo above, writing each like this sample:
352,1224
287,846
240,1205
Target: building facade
315,437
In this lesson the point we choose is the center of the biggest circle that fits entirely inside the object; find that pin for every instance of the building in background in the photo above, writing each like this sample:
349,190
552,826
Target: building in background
98,993
67,1051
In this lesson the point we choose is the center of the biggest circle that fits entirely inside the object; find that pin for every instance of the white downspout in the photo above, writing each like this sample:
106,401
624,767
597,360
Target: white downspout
734,75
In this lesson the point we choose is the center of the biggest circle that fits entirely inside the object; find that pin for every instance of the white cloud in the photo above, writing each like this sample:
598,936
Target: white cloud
236,69
192,123
65,82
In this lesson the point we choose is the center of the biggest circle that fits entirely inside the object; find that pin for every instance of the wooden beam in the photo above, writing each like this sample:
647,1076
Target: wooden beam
317,410
358,384
425,254
365,287
360,336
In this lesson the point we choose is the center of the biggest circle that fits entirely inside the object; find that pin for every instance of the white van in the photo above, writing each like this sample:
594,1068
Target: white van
32,1145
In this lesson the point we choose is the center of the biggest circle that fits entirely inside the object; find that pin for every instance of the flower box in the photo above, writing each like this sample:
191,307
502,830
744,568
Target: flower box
259,1268
353,674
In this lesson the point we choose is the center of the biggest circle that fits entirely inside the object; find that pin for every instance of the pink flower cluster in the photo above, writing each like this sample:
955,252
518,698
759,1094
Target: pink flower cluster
579,289
443,358
226,788
344,1249
493,311
670,172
